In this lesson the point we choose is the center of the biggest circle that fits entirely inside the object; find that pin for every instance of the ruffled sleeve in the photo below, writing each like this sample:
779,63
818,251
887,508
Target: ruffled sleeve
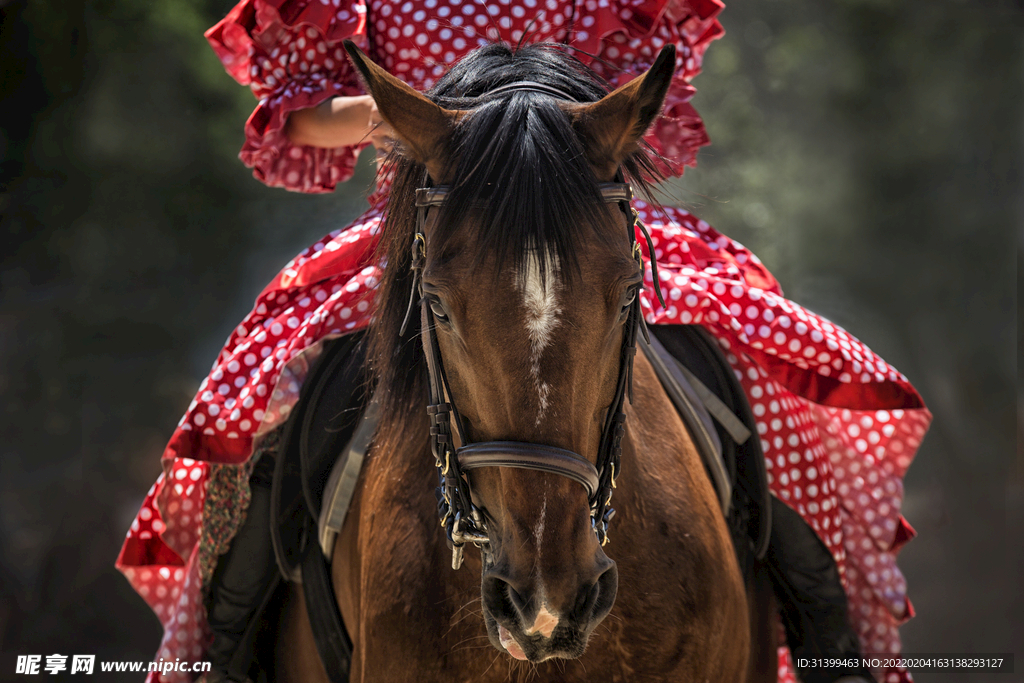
290,53
625,36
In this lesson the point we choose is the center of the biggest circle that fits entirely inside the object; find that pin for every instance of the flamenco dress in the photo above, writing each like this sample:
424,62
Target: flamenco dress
838,425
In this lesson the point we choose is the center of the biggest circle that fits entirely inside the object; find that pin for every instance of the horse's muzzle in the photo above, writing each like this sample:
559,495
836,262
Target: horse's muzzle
530,622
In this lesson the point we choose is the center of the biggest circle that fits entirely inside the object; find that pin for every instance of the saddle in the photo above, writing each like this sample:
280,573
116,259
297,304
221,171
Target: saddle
332,425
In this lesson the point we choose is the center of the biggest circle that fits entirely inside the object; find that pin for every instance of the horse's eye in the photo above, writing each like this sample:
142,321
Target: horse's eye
628,299
438,310
627,303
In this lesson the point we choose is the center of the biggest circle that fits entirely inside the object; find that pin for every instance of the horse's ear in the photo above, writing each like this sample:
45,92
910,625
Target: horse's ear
419,123
611,127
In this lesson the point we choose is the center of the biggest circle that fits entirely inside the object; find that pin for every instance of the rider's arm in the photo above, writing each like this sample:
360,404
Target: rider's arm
339,122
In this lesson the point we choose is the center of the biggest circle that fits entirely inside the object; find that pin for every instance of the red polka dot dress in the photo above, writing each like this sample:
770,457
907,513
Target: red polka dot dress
838,425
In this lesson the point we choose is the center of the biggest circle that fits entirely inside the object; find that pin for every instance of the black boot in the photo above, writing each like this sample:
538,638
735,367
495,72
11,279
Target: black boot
242,584
813,602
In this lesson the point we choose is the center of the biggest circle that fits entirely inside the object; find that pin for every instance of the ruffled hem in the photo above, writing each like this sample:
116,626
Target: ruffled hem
151,561
290,54
278,162
711,280
629,35
679,133
261,42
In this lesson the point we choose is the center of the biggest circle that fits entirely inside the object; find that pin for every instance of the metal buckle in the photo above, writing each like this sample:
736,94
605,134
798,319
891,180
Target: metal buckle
472,533
431,196
616,192
456,556
421,253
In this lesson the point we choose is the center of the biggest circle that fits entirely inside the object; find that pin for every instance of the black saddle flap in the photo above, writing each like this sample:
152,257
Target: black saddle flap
321,423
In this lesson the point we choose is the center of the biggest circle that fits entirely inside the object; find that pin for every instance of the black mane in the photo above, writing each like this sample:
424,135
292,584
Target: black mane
519,160
517,156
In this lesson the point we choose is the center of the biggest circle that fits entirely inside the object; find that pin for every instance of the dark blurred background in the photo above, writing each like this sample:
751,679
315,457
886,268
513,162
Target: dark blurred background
869,151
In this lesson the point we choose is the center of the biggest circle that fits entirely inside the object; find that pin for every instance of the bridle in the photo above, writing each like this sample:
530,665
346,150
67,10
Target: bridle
462,520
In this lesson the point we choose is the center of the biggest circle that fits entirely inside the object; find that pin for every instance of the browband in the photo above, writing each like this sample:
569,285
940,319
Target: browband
529,86
610,192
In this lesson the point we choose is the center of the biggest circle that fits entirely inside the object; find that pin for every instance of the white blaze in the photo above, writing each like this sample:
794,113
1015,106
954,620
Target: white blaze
538,531
540,300
541,303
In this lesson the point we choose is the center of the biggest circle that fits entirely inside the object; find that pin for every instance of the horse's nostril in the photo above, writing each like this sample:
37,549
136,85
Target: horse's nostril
517,600
501,598
595,603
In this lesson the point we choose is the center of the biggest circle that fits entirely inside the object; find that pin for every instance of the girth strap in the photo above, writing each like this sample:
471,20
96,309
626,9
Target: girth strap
341,484
329,633
531,456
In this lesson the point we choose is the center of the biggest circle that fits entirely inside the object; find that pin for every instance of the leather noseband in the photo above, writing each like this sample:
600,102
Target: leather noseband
531,456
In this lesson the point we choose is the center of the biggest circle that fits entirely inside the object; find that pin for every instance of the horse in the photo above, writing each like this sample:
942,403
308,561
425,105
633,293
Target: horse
510,298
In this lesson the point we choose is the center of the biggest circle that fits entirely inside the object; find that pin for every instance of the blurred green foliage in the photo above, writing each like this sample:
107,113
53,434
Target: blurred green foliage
868,151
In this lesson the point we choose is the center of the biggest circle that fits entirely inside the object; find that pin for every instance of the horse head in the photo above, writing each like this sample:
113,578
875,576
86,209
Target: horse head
528,280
